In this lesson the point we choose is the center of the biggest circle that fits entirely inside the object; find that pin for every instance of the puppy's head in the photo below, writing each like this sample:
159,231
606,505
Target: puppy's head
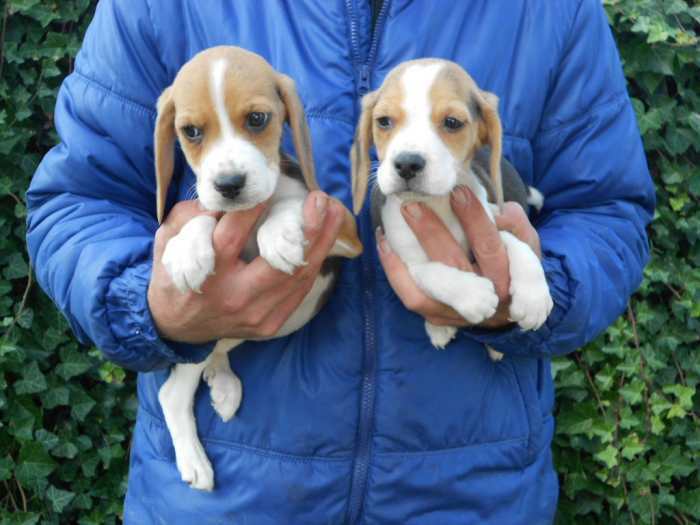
227,107
427,120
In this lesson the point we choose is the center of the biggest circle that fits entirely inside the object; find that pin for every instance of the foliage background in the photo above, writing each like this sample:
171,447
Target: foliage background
628,440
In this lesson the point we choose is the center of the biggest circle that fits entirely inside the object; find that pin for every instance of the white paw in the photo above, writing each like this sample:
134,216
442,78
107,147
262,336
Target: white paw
225,390
189,256
440,336
480,303
530,303
281,243
194,466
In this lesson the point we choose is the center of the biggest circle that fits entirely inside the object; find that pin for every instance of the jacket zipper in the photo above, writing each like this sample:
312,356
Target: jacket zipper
363,445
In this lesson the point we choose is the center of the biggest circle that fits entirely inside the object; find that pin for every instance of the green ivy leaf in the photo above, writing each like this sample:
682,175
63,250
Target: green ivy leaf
34,463
16,267
608,456
58,498
74,363
6,468
32,382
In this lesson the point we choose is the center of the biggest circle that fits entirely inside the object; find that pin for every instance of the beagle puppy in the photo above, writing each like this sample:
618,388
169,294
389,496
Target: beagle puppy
429,122
226,108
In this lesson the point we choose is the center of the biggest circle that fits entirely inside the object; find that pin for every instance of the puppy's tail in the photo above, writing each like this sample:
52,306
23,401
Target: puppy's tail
535,198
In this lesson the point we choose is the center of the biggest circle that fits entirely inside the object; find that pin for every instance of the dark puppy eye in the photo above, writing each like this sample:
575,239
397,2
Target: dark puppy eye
384,122
453,124
193,133
257,120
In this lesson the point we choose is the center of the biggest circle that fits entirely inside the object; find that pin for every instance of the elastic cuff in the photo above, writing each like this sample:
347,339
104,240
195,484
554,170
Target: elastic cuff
515,340
140,347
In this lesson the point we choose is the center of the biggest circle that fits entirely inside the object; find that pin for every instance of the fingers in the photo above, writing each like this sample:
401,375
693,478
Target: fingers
322,244
434,237
233,230
484,239
279,314
183,211
405,287
315,207
514,220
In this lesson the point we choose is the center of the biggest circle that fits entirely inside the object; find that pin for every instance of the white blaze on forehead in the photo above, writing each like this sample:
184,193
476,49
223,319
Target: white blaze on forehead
416,82
218,94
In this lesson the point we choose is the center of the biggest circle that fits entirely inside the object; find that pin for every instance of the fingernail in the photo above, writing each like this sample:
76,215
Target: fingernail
382,244
321,205
461,196
414,210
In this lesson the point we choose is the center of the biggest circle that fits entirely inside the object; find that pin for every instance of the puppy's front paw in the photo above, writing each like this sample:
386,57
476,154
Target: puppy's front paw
479,300
189,256
531,302
281,242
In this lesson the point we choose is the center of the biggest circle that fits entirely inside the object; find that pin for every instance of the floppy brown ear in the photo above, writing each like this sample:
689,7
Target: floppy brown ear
164,147
359,154
300,129
490,132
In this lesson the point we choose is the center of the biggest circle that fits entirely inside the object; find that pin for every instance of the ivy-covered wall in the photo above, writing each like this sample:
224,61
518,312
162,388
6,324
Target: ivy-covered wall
627,446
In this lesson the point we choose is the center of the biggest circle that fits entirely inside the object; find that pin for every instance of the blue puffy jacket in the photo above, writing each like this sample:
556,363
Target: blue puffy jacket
355,418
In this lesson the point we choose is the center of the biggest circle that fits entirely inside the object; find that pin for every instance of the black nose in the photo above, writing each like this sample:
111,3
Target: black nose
408,165
230,185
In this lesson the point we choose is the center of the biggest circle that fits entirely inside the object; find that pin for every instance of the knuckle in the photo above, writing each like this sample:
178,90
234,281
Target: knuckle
255,318
268,329
415,303
233,305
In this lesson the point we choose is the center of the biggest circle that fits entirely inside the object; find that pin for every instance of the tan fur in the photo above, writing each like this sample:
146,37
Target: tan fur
359,154
454,93
348,244
251,85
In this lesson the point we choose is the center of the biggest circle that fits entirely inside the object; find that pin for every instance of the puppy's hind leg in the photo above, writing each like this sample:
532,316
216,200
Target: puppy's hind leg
224,386
440,336
176,398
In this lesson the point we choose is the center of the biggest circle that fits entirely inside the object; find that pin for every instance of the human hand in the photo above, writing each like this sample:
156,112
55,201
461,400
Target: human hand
490,257
240,300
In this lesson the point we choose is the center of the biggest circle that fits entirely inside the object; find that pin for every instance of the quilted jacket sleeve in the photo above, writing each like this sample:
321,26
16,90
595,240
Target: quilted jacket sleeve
91,202
590,164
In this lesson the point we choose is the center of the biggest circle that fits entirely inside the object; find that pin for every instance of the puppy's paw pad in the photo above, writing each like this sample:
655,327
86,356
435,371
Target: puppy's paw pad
440,336
530,304
226,392
194,466
282,245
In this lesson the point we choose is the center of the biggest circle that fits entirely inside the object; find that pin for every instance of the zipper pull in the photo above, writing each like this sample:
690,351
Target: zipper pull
363,86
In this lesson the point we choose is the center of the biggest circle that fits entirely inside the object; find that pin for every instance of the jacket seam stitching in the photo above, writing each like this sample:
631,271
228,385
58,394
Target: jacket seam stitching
325,116
438,452
260,451
136,106
149,10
